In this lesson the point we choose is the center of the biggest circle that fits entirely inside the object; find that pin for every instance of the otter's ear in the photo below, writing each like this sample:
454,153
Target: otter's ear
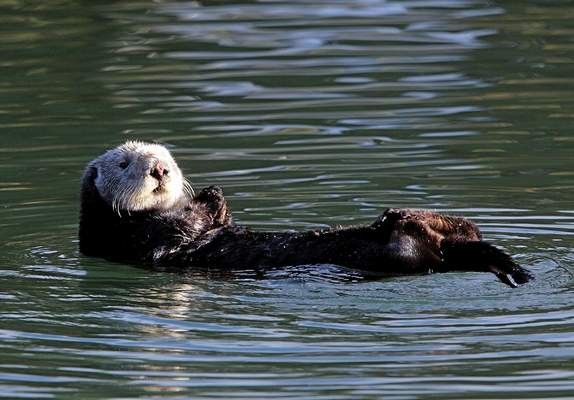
90,175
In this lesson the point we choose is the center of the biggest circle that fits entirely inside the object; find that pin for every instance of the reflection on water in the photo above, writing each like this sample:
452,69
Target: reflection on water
309,115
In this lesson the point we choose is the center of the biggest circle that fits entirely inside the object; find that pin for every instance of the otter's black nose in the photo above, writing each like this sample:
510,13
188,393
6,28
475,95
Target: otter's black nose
159,171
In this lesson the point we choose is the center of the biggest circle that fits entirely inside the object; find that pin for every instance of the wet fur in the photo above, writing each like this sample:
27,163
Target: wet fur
198,232
399,242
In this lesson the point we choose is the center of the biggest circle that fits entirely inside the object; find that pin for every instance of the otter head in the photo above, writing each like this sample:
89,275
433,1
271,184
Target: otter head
138,176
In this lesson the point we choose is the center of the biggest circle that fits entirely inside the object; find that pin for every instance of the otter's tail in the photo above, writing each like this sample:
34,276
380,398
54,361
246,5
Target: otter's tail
460,255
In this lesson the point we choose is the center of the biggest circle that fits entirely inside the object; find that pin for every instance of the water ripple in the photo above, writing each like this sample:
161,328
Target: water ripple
309,115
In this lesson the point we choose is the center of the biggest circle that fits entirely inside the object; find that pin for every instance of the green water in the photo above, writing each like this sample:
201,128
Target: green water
309,114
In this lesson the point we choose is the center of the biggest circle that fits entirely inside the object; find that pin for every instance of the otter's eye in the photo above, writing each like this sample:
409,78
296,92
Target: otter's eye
123,164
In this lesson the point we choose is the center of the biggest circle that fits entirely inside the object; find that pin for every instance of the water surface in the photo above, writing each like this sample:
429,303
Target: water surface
309,114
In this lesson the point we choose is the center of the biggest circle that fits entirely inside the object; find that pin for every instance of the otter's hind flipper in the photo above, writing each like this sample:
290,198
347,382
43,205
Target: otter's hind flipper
460,255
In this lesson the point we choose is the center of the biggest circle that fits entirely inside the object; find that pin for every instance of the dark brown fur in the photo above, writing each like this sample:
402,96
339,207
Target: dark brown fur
399,242
199,233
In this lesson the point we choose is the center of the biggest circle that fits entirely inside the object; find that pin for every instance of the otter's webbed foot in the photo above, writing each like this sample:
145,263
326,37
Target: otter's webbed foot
444,225
213,200
483,257
396,214
388,219
402,222
420,239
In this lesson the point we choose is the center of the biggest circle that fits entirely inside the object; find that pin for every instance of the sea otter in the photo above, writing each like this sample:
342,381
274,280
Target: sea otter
136,207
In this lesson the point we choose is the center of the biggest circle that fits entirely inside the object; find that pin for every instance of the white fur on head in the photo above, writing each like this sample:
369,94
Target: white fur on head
124,182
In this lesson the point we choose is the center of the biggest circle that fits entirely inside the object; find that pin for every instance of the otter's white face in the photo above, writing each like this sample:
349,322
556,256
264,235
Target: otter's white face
139,176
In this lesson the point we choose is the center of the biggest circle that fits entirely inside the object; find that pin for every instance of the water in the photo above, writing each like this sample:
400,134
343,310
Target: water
309,114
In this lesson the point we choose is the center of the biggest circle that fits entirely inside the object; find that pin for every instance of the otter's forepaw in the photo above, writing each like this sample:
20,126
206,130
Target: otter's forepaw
210,193
212,198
